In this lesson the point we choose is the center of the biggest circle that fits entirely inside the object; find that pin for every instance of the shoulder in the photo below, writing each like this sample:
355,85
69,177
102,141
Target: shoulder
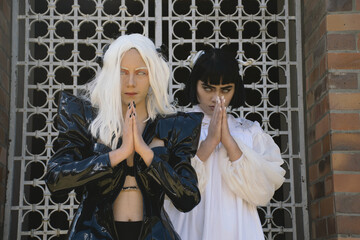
182,118
247,125
180,123
72,106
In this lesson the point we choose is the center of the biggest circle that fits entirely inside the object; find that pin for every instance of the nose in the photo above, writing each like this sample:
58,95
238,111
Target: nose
214,96
131,82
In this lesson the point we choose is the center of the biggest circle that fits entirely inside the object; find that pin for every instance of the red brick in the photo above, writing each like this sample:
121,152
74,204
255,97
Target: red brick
2,196
6,10
346,161
310,99
322,127
319,110
326,144
327,206
348,224
317,190
331,225
313,173
313,230
345,141
346,183
329,185
3,138
311,134
341,42
343,22
344,101
339,5
324,166
343,81
309,63
315,37
315,152
4,119
5,80
321,228
323,67
312,78
320,89
315,210
352,238
345,121
4,24
344,61
4,100
3,175
319,53
347,203
314,12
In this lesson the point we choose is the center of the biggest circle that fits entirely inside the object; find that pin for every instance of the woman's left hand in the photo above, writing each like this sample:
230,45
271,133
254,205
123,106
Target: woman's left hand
139,145
225,132
227,140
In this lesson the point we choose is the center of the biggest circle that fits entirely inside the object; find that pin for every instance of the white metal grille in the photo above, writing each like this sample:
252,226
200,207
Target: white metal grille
55,46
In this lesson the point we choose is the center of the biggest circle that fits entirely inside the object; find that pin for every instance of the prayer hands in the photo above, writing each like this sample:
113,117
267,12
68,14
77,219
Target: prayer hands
132,140
218,127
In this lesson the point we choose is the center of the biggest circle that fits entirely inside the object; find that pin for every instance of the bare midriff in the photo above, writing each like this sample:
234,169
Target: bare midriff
128,206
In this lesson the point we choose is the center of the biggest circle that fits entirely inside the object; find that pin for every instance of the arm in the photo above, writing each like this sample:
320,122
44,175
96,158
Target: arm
171,166
75,163
258,173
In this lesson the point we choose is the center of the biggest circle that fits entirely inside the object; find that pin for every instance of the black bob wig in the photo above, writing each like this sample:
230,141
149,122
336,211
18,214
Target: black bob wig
215,67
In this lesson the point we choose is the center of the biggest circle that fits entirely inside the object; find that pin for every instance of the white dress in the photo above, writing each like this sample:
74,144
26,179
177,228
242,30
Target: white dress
231,191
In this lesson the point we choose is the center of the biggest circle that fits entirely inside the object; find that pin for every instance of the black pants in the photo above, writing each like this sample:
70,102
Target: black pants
128,230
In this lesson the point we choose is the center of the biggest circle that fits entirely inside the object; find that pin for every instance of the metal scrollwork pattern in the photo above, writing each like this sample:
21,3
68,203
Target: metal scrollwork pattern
56,48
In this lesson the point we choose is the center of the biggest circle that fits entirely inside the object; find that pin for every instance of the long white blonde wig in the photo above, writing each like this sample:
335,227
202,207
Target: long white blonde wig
104,91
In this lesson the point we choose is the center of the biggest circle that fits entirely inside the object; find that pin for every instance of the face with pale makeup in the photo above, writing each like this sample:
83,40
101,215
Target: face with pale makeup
134,78
207,94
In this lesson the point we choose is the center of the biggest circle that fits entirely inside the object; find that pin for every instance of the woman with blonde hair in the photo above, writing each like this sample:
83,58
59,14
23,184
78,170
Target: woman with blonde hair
124,147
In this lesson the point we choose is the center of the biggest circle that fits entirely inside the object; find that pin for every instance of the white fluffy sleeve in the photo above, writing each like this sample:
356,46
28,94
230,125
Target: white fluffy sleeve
199,167
257,173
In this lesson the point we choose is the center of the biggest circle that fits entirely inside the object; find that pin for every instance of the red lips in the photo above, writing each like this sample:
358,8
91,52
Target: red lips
130,93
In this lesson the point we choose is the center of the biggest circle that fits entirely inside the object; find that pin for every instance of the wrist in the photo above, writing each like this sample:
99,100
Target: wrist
210,143
147,156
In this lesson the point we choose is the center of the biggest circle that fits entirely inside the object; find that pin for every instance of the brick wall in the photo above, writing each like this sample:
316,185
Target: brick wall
5,60
331,34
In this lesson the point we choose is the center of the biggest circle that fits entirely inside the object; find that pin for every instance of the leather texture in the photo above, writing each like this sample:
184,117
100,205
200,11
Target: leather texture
83,165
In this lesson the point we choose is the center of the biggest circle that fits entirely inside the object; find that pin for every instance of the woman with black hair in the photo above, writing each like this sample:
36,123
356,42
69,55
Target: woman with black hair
237,163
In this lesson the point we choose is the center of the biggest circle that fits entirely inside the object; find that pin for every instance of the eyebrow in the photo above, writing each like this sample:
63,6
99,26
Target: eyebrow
139,68
227,87
209,86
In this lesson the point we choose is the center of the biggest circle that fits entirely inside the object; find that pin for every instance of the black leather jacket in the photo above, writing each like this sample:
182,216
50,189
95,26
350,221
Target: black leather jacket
84,165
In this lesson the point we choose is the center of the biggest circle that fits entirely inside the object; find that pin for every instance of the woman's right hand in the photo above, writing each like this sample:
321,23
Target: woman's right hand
214,132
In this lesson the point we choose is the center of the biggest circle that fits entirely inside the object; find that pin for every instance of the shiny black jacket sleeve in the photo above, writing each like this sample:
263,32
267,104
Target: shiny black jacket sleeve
171,166
76,163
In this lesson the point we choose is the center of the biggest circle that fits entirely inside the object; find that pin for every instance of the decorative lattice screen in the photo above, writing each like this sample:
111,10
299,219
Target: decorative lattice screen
55,47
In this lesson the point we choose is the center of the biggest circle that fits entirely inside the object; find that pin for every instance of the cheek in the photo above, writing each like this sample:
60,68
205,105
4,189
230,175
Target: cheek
229,98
